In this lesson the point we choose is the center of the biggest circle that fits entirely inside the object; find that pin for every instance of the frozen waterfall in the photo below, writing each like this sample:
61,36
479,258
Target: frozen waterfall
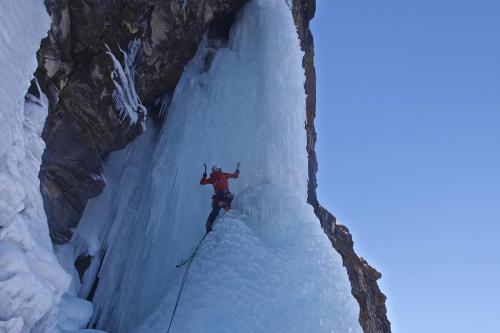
267,266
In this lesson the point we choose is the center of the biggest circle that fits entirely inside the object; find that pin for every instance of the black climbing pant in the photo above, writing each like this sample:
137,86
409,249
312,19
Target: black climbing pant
219,200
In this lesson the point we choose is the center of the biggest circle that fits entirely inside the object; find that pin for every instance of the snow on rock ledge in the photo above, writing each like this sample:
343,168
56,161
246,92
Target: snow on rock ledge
31,280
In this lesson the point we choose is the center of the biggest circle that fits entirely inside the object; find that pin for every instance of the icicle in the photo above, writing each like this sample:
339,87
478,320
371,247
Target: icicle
125,98
163,102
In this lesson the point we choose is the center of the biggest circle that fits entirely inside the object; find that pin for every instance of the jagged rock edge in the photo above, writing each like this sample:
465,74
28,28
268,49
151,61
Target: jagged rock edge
363,277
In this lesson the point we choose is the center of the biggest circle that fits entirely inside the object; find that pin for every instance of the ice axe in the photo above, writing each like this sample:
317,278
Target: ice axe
205,167
238,165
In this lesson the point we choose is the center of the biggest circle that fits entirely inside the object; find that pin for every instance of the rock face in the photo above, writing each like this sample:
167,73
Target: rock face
83,125
75,71
363,277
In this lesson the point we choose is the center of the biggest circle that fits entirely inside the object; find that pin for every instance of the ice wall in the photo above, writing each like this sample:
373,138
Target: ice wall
267,267
31,280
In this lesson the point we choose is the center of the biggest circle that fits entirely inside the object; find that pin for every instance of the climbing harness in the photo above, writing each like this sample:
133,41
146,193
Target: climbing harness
188,261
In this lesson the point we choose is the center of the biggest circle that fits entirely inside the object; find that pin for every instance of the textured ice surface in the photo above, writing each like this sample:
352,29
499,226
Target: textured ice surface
31,280
267,267
263,271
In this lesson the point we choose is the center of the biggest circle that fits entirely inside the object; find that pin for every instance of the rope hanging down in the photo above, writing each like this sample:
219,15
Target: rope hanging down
188,261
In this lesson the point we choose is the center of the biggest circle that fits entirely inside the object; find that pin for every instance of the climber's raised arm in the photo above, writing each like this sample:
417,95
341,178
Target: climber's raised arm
204,180
236,174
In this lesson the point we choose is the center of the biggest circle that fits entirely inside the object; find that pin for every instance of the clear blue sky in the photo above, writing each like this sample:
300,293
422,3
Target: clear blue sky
409,151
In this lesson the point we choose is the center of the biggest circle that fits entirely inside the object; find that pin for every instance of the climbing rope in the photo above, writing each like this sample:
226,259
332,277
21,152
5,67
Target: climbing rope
184,278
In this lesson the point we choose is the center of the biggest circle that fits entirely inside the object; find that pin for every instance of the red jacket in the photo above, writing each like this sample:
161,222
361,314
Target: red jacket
219,180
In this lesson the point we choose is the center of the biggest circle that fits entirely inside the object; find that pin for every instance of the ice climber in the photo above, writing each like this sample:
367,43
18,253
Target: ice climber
222,197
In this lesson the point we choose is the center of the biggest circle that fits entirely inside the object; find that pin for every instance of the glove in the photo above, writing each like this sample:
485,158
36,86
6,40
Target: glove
204,175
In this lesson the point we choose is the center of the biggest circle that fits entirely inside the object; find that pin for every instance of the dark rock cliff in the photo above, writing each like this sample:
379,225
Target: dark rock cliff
83,125
363,277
